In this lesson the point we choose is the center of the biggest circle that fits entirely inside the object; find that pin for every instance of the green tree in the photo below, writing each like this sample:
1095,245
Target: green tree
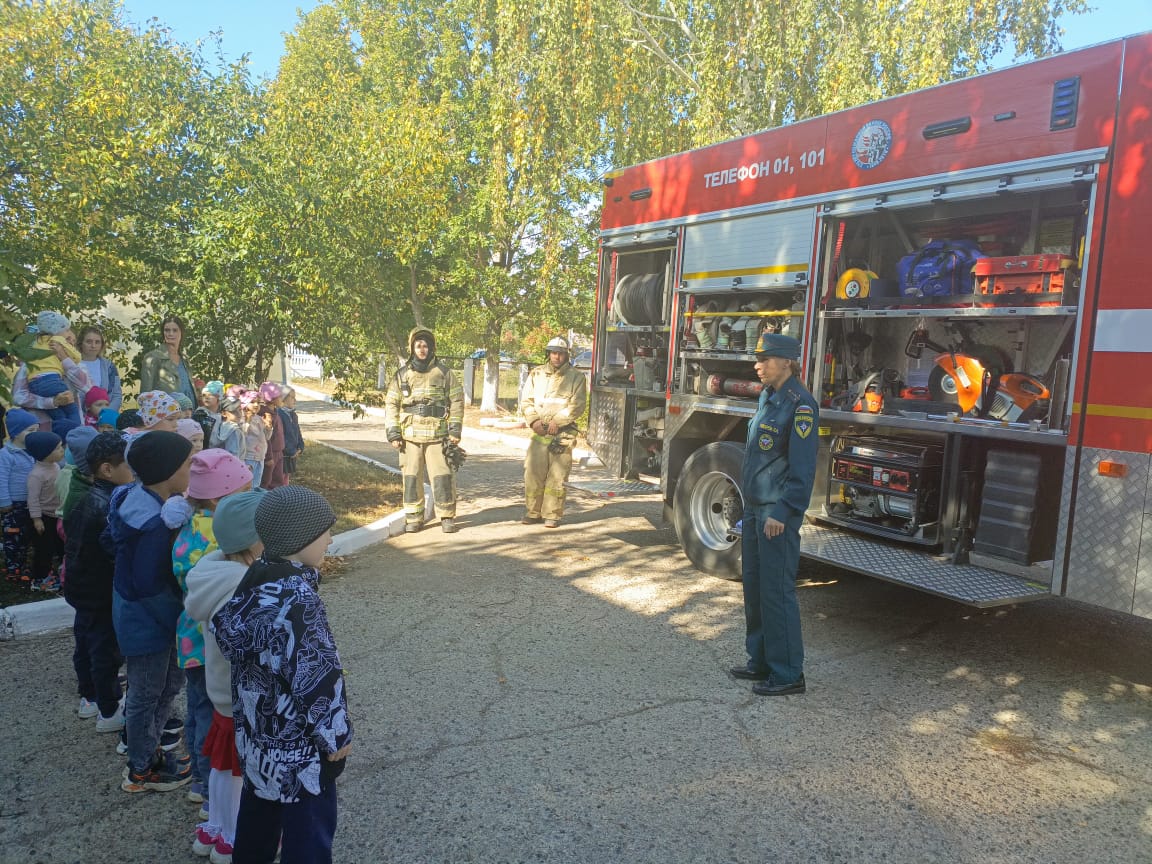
739,66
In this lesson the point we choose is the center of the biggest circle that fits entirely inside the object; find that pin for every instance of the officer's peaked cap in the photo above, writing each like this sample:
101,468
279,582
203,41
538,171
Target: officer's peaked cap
777,345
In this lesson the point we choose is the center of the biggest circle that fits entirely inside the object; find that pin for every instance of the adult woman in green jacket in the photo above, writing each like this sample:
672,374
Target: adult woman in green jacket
164,368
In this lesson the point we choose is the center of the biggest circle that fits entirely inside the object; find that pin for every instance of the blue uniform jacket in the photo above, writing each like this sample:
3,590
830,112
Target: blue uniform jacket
780,453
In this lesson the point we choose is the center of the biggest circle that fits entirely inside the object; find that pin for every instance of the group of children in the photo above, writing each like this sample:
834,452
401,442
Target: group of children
174,533
38,468
178,566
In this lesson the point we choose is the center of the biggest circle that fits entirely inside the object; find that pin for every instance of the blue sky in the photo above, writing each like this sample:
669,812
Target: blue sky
256,27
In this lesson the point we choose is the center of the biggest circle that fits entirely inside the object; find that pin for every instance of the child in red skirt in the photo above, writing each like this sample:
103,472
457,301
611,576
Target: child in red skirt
211,582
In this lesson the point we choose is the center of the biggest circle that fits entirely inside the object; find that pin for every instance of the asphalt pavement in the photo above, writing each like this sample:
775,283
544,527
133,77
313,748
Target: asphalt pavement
532,695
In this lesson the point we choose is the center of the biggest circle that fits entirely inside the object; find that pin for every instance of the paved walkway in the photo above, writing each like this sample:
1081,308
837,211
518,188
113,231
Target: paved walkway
523,695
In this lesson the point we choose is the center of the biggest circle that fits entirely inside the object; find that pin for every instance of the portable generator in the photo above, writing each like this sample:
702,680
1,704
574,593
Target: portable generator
886,486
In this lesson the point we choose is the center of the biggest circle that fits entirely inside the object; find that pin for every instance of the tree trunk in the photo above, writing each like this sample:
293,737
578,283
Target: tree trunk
417,300
488,403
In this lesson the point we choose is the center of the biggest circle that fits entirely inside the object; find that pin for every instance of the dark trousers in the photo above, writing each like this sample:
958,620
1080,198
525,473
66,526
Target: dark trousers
17,531
47,549
305,829
65,418
771,611
96,659
154,682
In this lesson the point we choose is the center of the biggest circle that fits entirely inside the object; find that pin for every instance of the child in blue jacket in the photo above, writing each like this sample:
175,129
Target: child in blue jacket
146,603
15,466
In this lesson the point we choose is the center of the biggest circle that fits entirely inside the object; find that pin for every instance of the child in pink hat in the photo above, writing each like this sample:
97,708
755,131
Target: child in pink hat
273,474
213,475
188,428
95,401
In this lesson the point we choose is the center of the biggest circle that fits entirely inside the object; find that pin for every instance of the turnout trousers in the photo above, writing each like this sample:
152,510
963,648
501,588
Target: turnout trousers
417,455
545,474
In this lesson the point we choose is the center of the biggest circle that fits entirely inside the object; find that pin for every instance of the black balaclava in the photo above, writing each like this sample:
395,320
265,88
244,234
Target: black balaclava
414,361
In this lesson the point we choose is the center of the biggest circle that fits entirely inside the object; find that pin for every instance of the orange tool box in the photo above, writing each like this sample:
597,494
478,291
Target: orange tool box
1025,279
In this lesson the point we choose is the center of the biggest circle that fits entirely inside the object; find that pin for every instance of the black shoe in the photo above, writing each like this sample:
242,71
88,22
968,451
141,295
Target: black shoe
767,688
531,520
747,673
413,527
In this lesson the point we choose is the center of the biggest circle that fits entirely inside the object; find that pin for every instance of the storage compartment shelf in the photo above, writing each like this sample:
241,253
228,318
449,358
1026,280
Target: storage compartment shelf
637,328
953,312
690,354
960,426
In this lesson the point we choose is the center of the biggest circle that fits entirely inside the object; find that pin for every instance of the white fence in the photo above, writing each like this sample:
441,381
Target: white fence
301,364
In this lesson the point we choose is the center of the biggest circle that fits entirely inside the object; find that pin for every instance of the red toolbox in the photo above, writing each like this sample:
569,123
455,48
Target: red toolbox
1026,280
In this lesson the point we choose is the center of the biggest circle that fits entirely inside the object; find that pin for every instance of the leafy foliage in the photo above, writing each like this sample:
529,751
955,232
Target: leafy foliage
411,163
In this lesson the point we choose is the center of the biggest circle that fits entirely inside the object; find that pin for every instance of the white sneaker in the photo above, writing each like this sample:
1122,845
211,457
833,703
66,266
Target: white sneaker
111,724
87,710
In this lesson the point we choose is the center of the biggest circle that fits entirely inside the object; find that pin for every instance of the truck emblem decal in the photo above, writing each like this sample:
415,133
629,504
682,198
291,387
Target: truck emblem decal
871,145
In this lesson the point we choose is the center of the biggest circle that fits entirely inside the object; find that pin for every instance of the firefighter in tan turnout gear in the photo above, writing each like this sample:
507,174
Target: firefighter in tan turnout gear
425,407
552,401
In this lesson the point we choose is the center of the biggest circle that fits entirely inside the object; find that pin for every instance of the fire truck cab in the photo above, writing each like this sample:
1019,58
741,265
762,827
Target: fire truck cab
965,268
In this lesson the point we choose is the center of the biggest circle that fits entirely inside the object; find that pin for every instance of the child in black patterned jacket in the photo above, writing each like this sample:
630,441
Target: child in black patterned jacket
293,731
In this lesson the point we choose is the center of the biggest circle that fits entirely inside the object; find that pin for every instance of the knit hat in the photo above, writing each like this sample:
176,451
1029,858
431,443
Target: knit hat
158,455
214,388
183,401
40,444
270,391
17,420
156,405
95,394
234,522
290,518
189,428
77,441
51,323
103,448
108,417
216,473
232,406
129,419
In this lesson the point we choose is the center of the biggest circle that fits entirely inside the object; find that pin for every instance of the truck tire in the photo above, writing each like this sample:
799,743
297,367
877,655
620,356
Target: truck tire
707,504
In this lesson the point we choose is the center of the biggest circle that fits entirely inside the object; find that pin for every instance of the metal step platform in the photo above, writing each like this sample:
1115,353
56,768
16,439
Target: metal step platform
975,586
613,488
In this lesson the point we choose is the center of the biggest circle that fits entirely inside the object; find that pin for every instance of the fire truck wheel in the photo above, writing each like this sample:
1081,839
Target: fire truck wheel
706,507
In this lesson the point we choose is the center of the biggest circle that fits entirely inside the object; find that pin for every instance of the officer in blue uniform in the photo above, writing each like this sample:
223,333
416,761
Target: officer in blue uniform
779,468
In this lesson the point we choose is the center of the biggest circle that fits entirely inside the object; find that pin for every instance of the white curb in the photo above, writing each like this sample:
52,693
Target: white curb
54,616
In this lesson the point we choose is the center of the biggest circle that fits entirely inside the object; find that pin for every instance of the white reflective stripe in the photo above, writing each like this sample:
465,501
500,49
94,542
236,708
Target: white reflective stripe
1124,330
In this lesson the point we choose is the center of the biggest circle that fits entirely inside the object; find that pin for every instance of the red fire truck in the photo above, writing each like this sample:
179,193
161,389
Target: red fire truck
966,269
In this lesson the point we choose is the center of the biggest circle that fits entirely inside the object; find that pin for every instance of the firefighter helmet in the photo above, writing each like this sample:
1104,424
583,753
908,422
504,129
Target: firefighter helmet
558,344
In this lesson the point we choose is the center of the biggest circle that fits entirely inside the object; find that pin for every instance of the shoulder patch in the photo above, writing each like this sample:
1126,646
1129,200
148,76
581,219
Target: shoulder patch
802,424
